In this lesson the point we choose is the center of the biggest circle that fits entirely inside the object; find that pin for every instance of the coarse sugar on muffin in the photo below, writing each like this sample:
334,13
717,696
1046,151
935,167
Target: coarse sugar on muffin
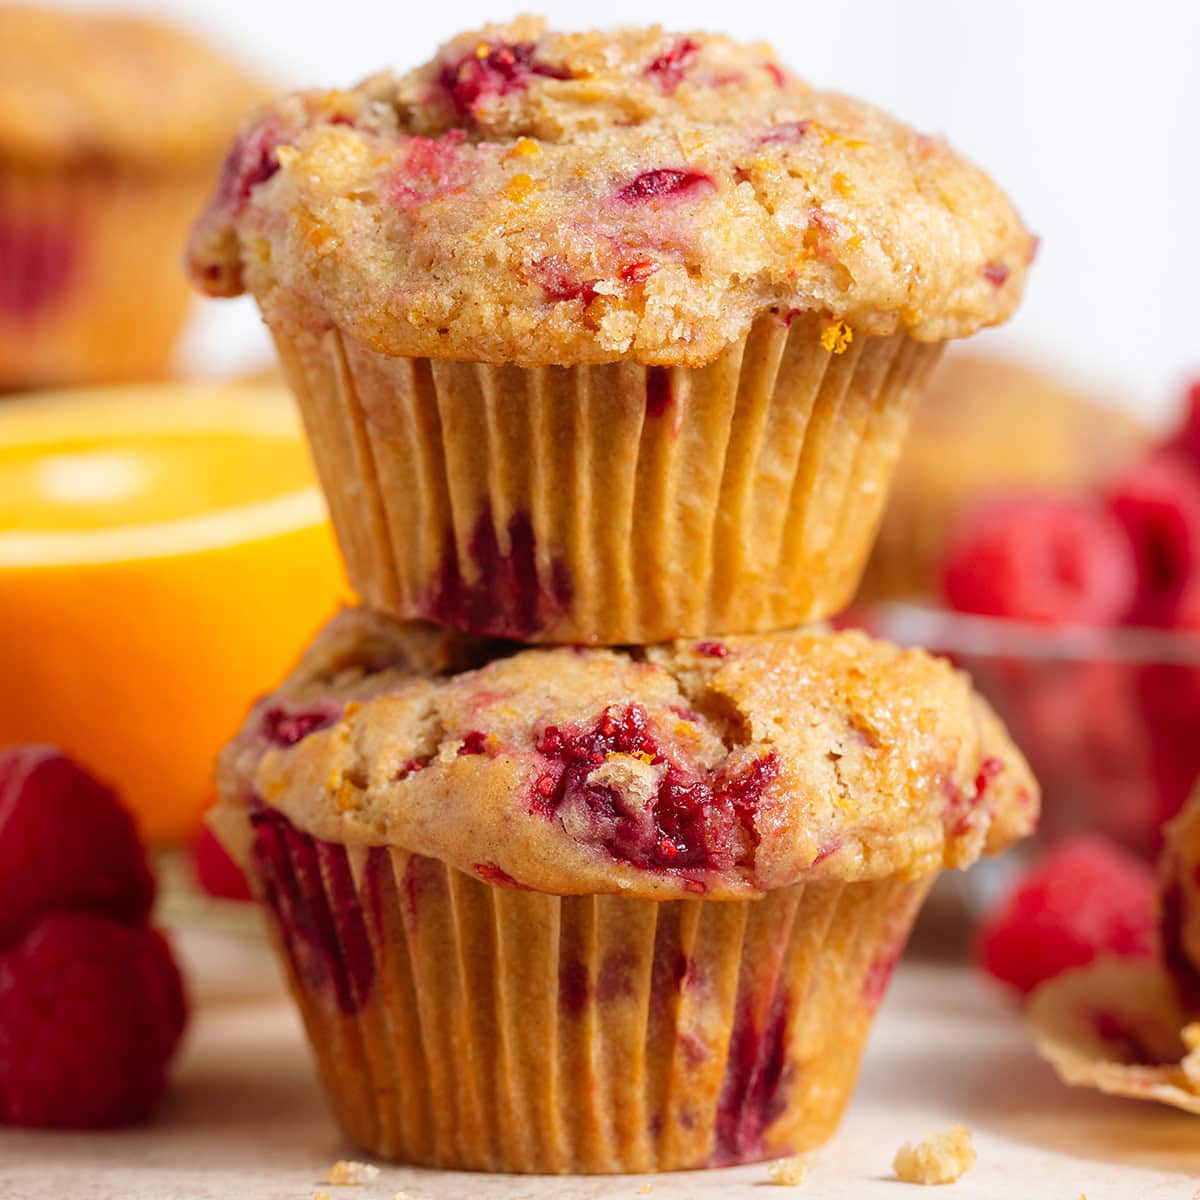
110,128
659,265
471,844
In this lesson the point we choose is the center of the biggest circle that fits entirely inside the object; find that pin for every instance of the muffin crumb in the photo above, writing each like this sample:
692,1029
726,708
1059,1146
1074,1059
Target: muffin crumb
344,1173
647,1189
940,1158
789,1172
1190,1063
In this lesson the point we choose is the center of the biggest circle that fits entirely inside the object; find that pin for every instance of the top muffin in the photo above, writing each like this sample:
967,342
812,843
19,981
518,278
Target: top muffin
540,198
113,88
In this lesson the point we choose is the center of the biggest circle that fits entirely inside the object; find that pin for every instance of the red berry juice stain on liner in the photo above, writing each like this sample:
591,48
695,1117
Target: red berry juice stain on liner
658,391
39,264
309,887
754,1090
512,596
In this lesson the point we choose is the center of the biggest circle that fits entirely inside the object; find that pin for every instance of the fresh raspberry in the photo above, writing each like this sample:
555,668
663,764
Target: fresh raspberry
215,871
1158,503
1187,437
1038,558
65,843
90,1014
1082,899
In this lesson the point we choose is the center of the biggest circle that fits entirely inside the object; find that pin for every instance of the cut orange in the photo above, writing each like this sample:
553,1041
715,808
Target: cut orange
164,556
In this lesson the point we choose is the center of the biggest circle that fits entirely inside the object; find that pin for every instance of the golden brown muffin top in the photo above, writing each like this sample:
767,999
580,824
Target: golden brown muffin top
106,87
545,198
714,768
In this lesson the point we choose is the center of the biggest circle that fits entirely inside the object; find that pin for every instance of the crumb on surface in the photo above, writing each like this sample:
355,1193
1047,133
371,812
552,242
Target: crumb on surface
647,1189
344,1173
940,1158
1190,1063
789,1172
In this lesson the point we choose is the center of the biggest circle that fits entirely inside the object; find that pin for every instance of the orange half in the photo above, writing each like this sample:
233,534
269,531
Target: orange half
165,555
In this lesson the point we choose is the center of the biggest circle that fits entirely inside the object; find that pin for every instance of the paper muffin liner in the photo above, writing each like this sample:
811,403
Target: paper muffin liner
460,1023
1117,1025
90,284
612,503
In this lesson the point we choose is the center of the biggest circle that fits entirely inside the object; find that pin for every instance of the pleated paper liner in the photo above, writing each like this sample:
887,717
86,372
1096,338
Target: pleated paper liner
460,1024
613,503
91,289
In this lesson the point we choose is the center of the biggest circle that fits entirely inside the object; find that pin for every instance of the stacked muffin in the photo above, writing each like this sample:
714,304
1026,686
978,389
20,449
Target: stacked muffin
110,129
605,345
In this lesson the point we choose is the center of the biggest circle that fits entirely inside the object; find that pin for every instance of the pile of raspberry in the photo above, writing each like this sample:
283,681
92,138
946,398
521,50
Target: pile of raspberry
1112,740
92,1006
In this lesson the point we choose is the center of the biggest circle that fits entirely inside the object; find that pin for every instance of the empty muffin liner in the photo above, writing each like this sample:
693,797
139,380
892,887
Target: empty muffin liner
460,1023
91,288
613,503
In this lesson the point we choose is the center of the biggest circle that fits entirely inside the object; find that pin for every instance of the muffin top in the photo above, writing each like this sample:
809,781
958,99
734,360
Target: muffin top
91,86
542,198
719,769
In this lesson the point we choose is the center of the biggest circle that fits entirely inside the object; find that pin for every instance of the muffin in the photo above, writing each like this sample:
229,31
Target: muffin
1131,1026
605,337
110,129
987,425
589,910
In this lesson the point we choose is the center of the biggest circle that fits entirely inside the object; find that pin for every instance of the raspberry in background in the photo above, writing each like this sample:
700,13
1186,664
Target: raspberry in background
216,872
1157,502
65,843
1083,899
1187,437
1045,559
91,1012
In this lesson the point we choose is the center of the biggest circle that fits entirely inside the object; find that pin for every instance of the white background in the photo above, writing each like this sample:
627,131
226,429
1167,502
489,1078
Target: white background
1087,112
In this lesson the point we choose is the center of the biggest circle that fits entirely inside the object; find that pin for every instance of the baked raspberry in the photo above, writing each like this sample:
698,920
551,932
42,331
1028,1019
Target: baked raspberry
91,1012
693,819
65,843
1039,558
1082,899
670,66
665,183
493,70
284,728
215,871
1158,503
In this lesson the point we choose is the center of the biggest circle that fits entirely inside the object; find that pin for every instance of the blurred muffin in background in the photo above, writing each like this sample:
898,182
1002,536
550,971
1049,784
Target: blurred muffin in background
988,424
110,129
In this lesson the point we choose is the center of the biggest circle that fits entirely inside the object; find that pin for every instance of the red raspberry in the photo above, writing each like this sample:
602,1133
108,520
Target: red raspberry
1039,558
1082,899
65,843
1187,436
1158,503
90,1014
216,872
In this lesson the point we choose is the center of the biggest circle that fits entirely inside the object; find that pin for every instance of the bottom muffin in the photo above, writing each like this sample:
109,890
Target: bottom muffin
565,910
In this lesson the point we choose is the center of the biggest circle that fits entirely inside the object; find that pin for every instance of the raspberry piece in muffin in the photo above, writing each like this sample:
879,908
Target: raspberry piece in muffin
1084,899
91,1012
65,843
1043,559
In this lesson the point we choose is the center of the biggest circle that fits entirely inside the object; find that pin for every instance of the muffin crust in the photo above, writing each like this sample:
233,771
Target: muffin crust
540,198
719,769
